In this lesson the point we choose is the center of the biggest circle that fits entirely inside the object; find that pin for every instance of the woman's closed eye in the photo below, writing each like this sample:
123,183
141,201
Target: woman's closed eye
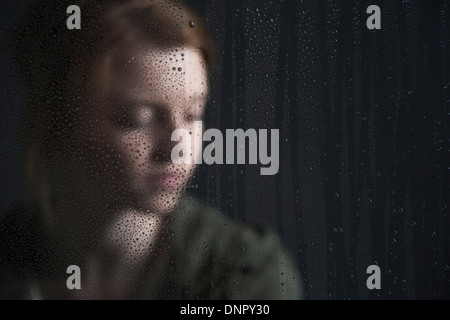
135,117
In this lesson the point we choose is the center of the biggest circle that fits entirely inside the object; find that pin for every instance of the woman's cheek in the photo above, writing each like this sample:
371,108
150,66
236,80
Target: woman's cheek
135,146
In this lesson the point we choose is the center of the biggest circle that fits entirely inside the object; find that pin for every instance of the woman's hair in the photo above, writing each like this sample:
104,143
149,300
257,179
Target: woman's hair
45,54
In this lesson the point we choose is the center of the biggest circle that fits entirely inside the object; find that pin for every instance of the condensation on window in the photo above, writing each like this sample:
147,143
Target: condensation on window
223,149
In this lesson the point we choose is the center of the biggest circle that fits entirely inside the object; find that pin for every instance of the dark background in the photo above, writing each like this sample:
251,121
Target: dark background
363,136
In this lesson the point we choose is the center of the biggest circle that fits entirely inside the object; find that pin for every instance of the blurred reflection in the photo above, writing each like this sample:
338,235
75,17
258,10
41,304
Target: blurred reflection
103,193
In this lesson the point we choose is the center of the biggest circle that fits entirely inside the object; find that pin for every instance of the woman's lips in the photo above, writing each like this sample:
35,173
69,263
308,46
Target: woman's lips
166,180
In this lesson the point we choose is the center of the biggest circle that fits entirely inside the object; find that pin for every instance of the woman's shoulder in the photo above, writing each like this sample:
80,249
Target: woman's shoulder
200,226
238,259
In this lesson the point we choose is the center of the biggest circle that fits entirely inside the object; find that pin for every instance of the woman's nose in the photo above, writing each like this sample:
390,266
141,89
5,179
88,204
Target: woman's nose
164,144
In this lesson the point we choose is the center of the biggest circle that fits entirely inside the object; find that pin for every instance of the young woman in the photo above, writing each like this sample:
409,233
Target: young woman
103,191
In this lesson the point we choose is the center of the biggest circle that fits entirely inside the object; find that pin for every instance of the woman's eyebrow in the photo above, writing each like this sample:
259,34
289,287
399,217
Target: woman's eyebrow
137,103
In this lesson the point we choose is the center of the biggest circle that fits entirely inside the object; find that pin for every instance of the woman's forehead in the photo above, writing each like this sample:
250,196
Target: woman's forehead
144,74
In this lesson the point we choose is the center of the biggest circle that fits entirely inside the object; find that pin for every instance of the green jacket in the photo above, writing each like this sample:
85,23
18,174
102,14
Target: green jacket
211,257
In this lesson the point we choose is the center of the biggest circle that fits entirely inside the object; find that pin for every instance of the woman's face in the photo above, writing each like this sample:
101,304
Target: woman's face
136,99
